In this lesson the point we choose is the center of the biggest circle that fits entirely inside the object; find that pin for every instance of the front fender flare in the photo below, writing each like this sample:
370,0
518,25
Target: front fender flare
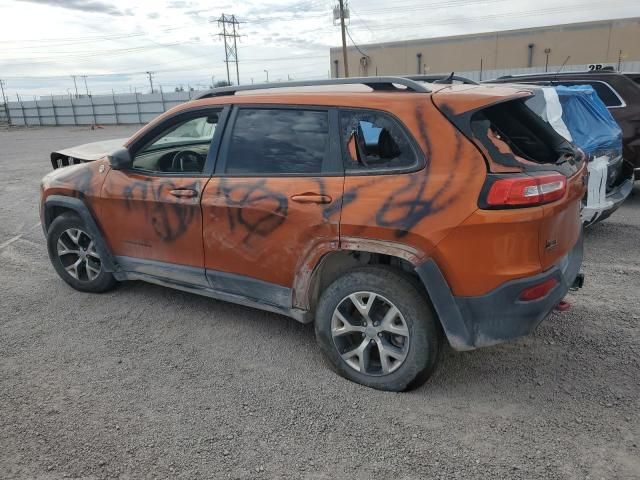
82,210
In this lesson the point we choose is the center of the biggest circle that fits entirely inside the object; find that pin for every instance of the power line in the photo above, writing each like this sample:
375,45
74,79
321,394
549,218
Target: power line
354,43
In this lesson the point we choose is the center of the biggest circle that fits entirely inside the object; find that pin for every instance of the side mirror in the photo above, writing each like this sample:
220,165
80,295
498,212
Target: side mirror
120,159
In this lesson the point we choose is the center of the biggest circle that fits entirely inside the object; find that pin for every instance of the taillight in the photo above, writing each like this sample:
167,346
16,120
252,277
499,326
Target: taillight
513,190
538,291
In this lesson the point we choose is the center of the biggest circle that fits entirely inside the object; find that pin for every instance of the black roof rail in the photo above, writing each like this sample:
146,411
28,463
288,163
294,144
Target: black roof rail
441,79
376,83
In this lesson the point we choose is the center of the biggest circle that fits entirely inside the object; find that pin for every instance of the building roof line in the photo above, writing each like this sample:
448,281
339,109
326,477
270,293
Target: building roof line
466,36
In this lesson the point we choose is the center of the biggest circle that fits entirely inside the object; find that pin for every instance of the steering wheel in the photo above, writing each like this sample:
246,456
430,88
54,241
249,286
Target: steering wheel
187,157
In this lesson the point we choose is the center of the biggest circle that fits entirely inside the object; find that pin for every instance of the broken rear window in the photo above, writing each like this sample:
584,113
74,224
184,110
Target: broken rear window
513,128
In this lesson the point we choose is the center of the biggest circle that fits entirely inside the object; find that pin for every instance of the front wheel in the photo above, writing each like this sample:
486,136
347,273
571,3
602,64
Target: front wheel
376,328
73,254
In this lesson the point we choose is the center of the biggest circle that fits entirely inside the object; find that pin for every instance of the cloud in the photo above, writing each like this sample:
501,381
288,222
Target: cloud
180,4
153,15
91,6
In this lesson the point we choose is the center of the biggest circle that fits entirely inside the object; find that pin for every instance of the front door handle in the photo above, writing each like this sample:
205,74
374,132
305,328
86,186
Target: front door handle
184,193
310,197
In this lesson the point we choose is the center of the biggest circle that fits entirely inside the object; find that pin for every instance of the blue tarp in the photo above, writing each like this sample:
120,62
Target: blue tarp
591,125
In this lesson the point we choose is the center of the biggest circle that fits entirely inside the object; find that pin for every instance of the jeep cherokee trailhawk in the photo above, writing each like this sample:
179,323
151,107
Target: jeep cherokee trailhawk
391,213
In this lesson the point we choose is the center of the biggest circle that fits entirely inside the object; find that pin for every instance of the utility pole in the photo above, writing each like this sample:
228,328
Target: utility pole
344,40
619,59
229,23
267,72
5,102
547,51
85,84
150,79
75,84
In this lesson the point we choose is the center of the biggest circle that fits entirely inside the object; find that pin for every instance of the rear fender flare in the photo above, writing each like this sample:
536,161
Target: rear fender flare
308,269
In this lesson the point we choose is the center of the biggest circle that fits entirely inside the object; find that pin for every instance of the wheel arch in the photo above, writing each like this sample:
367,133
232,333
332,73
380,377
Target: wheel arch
317,273
426,275
56,205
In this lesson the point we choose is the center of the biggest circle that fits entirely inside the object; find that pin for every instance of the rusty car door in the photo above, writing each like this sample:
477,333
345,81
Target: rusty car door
274,201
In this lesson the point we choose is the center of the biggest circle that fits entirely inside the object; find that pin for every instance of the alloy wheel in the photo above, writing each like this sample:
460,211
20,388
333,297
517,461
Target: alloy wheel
370,333
77,253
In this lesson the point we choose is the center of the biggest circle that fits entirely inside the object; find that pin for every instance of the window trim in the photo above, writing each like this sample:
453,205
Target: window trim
331,165
551,83
157,130
419,154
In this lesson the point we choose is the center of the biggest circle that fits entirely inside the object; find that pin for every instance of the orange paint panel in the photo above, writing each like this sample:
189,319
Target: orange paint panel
142,217
420,208
490,248
265,228
81,181
562,224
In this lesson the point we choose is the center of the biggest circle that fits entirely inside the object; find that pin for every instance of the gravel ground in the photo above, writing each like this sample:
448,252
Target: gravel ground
147,382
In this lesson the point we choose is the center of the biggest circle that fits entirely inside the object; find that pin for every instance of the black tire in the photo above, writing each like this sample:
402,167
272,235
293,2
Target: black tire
102,281
424,332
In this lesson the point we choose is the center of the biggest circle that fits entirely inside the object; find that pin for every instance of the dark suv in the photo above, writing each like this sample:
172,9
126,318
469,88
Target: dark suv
619,93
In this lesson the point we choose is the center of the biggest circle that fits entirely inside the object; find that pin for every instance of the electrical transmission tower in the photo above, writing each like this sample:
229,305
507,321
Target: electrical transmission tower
229,25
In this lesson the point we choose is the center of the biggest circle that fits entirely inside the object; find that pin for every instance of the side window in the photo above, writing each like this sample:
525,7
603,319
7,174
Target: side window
606,93
278,141
374,141
181,148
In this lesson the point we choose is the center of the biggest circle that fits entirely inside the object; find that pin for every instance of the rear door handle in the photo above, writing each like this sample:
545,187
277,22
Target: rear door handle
184,193
310,197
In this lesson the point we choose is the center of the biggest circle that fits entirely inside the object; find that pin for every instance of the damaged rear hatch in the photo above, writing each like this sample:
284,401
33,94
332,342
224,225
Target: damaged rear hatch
529,164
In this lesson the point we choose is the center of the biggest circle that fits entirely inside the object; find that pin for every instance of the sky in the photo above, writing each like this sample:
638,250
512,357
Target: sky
43,43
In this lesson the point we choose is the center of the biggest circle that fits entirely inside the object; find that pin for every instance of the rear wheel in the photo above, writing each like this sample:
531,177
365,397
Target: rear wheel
72,251
376,328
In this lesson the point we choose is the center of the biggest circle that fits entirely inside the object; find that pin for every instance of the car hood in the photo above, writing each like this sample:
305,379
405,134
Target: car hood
88,152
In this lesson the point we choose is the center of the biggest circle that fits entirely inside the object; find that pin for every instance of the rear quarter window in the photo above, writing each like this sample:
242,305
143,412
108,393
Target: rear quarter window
379,143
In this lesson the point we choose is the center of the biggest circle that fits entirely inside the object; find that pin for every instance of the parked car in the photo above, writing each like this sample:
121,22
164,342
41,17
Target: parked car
634,76
618,92
578,114
456,216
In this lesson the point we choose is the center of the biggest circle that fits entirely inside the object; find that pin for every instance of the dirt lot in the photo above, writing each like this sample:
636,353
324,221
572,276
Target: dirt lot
146,382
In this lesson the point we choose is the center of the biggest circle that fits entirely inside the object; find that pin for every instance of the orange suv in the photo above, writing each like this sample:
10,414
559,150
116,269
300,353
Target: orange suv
391,213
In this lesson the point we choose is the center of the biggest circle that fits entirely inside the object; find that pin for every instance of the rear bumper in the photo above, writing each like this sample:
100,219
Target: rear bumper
498,316
613,200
